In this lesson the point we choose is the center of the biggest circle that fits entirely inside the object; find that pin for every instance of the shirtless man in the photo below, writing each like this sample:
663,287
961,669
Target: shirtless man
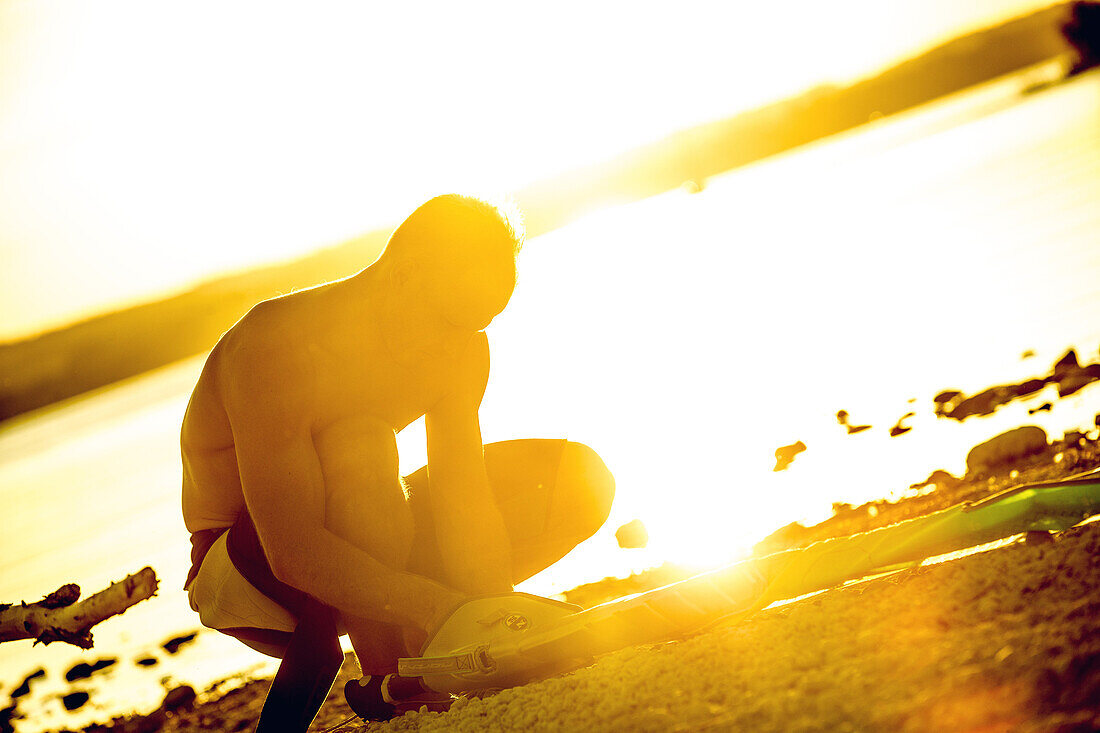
300,519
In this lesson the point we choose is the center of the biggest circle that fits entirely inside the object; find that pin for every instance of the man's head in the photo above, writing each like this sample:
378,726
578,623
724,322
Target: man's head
448,270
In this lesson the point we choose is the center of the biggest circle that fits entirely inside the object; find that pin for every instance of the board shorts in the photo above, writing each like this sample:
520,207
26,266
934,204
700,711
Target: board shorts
231,585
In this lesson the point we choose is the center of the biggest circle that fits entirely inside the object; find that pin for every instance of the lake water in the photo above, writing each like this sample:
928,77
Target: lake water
685,337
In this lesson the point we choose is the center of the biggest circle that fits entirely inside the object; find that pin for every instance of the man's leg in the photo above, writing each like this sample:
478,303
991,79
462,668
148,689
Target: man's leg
311,658
552,494
310,664
369,510
377,644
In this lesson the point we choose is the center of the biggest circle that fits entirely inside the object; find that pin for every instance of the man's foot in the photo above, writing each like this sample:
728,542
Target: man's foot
369,698
364,697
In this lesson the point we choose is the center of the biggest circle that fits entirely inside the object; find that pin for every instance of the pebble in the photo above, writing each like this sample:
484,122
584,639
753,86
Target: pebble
785,454
24,687
178,697
898,428
633,535
85,670
74,700
173,645
1004,448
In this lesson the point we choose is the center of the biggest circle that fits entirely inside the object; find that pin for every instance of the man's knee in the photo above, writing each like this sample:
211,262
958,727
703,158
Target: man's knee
585,478
379,522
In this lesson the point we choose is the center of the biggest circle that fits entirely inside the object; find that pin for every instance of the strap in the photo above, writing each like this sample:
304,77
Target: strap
477,660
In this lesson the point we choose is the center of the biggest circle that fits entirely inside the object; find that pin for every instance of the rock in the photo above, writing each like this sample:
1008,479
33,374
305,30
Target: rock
946,396
1067,374
173,645
841,507
1005,448
1045,407
842,418
6,716
784,455
24,687
942,479
1073,439
146,662
84,670
987,401
1031,386
74,700
103,664
791,535
178,697
1066,365
900,429
1074,383
1027,354
983,403
632,535
79,672
1071,376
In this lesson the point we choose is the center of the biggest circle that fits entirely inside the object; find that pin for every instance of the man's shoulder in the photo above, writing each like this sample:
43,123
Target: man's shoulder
265,327
263,344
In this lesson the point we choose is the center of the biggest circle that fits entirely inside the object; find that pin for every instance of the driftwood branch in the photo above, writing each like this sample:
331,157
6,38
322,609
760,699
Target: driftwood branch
61,617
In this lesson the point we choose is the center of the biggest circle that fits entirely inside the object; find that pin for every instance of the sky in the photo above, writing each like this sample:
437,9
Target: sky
145,145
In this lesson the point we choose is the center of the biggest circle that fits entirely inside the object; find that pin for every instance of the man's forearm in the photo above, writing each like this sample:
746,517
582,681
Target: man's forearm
345,577
472,538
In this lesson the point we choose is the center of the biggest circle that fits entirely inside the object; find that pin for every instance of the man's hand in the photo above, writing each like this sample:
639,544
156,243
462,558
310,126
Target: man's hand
443,603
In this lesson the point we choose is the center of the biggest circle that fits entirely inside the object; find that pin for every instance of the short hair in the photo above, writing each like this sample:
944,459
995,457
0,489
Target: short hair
457,226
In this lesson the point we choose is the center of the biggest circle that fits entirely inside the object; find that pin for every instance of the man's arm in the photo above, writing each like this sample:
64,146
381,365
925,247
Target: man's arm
284,490
469,527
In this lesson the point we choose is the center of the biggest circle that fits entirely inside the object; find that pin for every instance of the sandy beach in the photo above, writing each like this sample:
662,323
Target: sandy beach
1003,638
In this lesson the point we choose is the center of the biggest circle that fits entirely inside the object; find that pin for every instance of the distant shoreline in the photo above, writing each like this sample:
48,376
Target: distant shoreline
46,368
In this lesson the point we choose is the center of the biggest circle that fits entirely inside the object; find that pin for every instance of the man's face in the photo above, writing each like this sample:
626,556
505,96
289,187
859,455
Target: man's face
437,308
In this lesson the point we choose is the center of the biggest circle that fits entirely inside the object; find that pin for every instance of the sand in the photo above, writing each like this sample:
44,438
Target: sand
1003,639
997,641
